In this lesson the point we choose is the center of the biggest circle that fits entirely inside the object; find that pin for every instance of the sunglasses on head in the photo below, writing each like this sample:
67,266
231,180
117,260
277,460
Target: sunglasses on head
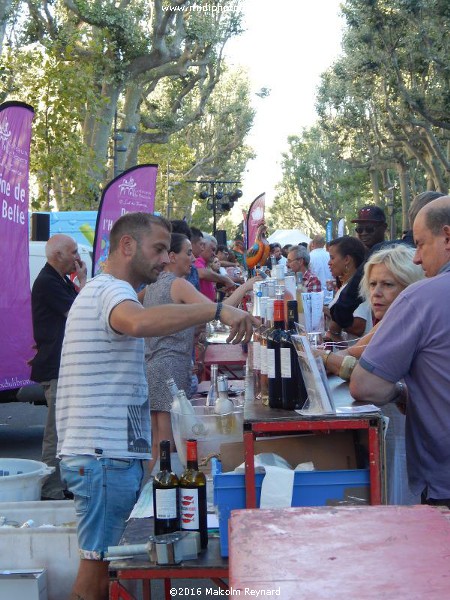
366,228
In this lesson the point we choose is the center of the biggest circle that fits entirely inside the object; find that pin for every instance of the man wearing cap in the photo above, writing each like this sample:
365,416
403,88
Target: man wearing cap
370,228
370,225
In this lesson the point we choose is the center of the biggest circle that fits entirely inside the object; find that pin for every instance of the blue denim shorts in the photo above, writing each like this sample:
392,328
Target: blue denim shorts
105,491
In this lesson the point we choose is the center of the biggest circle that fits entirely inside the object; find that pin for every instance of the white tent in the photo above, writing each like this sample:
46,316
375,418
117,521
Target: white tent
288,236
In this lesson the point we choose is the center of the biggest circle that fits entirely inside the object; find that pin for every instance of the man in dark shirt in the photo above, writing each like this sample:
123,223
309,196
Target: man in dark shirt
52,296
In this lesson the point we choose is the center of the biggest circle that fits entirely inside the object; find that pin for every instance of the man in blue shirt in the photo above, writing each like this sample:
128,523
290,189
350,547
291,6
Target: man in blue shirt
413,344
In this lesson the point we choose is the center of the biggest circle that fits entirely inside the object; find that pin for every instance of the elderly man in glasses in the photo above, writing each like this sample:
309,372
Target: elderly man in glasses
298,262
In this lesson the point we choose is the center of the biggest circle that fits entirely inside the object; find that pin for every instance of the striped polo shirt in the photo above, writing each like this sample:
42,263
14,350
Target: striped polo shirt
102,403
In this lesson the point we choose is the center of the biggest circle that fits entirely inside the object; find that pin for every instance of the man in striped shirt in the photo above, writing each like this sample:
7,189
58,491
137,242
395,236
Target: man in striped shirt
102,411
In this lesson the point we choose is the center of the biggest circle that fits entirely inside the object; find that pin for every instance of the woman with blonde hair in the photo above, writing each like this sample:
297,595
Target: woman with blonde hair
386,273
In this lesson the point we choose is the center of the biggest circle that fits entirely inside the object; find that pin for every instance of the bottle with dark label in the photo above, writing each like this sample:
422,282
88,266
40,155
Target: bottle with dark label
193,496
273,355
166,494
293,391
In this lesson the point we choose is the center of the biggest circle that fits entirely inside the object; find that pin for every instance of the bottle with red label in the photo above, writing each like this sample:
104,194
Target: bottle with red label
193,506
166,506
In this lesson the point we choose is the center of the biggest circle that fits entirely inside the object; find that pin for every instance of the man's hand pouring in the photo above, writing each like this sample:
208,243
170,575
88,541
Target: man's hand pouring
241,323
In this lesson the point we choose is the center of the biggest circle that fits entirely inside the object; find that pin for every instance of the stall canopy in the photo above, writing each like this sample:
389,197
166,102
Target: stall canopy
288,236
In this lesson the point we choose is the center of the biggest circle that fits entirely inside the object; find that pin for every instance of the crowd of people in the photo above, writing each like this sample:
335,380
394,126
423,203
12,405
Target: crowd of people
107,413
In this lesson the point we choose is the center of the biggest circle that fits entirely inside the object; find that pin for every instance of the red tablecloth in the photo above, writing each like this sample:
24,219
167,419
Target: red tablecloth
230,358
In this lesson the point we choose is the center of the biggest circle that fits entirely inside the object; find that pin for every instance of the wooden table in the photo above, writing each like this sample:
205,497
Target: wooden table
260,420
230,358
324,553
209,565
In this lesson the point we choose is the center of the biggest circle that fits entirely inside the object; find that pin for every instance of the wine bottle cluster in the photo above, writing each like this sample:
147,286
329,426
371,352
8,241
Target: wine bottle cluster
180,503
278,378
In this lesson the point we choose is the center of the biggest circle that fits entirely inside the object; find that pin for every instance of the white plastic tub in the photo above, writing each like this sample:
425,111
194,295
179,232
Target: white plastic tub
22,479
210,430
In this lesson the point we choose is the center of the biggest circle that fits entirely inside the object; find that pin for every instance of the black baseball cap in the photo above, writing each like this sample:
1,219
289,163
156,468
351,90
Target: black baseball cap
370,213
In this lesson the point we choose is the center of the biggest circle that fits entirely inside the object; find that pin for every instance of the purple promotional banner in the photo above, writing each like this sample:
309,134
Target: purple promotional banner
255,217
16,332
132,191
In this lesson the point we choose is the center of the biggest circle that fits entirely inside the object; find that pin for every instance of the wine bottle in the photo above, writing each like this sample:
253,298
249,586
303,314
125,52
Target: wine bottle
213,392
300,288
224,408
273,355
193,496
293,391
249,384
166,494
173,390
223,405
290,292
257,346
185,406
264,381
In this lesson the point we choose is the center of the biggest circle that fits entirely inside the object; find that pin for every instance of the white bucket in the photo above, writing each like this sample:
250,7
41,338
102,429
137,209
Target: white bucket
22,479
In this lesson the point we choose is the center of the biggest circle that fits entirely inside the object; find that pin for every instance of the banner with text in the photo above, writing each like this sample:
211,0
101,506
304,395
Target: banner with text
254,218
16,331
132,191
329,231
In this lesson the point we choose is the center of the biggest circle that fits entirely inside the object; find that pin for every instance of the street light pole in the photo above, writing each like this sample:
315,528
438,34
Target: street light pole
212,194
118,137
115,140
212,183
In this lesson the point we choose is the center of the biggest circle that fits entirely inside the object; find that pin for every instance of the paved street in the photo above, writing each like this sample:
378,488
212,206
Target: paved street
21,430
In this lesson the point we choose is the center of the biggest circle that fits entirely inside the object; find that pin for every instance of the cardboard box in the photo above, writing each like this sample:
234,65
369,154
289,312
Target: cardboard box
335,450
336,479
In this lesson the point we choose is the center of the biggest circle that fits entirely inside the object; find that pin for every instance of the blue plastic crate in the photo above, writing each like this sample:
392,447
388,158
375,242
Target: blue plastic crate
311,488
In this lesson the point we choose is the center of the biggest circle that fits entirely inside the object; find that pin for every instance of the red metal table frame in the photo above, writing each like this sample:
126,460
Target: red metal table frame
118,592
209,565
260,421
229,357
280,427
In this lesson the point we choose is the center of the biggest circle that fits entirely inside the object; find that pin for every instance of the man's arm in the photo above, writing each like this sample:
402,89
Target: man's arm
132,319
210,275
367,387
235,298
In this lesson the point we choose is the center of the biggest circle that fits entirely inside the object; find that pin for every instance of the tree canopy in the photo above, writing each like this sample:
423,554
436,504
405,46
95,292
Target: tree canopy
383,114
142,71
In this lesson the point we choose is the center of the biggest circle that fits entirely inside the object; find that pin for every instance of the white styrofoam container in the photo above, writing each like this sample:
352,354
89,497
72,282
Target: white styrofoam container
24,585
22,479
52,548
